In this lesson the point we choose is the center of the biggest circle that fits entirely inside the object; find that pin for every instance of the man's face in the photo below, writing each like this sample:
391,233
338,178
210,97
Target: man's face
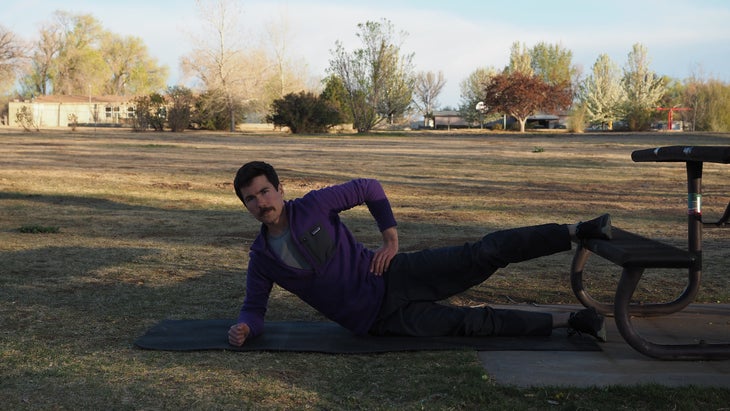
264,201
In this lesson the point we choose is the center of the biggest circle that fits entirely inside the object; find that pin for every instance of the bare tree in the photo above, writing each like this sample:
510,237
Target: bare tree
287,75
278,39
220,62
428,86
213,60
12,58
43,60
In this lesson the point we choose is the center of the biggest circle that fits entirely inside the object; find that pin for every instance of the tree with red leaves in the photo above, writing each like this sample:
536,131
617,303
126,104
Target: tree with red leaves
522,95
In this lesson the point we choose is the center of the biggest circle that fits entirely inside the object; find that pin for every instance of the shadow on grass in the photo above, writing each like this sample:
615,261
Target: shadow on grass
68,200
98,217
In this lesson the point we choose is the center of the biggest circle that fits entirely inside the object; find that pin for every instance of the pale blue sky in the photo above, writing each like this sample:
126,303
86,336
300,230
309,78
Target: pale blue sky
682,36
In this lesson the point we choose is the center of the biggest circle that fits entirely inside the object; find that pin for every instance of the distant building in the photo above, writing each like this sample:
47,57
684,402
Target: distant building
452,119
448,119
536,121
542,120
63,111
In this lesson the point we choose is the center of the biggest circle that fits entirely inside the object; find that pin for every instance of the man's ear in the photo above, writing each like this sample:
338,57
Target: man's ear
281,189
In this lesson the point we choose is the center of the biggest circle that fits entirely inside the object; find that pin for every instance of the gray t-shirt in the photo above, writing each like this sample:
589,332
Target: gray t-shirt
284,247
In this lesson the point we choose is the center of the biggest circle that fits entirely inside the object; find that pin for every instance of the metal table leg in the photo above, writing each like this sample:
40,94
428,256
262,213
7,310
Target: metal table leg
642,310
702,351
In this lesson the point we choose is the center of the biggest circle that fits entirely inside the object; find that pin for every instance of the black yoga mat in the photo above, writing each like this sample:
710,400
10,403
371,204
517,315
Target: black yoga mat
327,337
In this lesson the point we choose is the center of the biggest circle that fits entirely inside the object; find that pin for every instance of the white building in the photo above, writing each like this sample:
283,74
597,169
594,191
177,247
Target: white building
64,111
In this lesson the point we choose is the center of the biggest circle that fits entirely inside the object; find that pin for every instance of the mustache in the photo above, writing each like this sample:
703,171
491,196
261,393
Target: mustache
265,210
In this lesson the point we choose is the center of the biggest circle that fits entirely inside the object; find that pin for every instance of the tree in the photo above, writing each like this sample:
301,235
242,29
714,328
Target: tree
43,60
428,86
12,58
150,112
601,94
131,69
376,76
552,63
716,97
232,77
335,94
208,114
179,111
303,112
78,67
74,55
472,93
691,98
709,101
577,118
287,75
520,59
399,83
356,80
642,87
24,117
521,96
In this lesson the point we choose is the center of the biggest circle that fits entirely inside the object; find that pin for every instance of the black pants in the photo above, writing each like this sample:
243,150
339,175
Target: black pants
415,281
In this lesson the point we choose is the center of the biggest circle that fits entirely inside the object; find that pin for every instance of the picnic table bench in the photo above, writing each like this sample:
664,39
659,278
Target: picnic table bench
635,253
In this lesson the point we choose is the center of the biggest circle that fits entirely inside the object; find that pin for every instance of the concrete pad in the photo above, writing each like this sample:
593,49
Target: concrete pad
618,363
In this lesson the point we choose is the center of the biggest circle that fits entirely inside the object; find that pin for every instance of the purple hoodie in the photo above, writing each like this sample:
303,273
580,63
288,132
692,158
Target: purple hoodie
340,284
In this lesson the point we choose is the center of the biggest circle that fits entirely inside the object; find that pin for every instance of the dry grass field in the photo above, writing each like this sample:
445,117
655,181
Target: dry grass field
105,232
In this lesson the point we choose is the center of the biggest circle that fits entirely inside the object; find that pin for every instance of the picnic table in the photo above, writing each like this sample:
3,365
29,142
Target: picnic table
635,253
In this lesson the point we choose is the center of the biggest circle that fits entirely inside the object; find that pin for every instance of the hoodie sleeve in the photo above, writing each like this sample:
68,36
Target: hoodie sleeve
357,192
258,289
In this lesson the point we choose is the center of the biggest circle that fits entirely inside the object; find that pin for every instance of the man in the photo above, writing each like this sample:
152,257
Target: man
305,248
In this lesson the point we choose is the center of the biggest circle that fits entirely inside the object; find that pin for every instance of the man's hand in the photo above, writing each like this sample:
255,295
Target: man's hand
238,333
384,254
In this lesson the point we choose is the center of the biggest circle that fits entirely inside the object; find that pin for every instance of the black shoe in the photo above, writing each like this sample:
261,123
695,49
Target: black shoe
587,321
599,228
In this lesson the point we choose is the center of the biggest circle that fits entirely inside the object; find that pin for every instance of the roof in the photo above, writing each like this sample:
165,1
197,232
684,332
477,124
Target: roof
82,99
446,113
543,117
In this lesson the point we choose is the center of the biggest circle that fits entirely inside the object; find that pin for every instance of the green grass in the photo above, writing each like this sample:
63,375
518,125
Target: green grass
150,233
38,229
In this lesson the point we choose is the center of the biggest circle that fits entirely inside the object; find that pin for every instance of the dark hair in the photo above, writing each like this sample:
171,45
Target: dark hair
251,170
